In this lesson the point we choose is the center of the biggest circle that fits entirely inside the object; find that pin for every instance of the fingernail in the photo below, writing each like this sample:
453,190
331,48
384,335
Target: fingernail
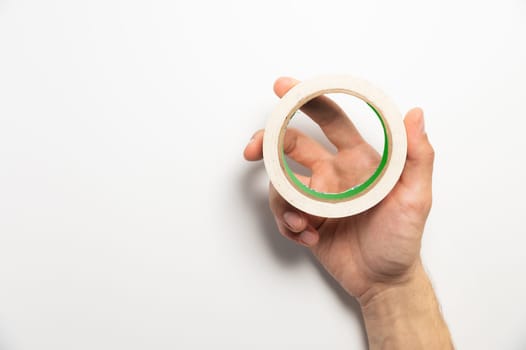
289,80
292,220
308,238
253,138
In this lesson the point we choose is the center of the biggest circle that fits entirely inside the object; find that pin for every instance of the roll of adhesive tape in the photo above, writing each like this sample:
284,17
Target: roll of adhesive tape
354,200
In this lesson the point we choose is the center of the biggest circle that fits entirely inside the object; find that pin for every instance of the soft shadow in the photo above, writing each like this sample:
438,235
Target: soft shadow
284,250
3,342
349,303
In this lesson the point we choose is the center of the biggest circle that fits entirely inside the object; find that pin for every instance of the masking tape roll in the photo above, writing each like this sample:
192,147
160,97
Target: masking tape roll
354,200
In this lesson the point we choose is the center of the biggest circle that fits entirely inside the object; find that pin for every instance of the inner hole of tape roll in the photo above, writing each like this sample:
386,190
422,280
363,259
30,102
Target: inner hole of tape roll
335,146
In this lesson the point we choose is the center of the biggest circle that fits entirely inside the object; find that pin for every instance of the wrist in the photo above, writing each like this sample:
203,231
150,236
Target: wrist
382,292
404,314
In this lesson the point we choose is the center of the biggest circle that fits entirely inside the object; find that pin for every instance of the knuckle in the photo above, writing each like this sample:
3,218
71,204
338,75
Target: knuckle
289,144
285,232
420,204
429,151
282,230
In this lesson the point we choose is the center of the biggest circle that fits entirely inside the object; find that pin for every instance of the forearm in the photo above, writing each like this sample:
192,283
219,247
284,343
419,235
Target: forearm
405,316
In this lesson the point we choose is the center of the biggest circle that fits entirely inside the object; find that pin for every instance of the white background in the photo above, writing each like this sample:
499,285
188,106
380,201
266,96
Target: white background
128,219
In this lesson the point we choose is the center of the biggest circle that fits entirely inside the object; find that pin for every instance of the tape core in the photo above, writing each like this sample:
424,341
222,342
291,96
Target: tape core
351,192
360,197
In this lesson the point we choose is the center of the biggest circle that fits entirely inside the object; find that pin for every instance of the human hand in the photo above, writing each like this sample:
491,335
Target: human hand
371,251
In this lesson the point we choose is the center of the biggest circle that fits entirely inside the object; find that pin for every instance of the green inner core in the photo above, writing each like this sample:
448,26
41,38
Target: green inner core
353,191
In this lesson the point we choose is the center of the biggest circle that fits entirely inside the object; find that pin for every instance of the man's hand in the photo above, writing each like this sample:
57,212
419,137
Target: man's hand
365,251
374,254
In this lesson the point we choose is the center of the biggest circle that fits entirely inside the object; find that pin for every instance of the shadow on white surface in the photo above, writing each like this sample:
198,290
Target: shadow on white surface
349,303
286,252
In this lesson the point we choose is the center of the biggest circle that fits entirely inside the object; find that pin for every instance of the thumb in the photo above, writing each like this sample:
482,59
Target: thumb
418,168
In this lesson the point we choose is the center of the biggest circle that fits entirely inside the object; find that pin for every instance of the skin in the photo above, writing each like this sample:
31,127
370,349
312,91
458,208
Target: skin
375,255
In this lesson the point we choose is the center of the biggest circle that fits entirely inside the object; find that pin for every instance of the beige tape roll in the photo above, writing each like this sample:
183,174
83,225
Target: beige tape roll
354,200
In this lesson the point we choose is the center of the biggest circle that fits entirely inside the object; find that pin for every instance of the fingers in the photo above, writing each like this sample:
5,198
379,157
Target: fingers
254,149
292,223
418,170
303,149
296,145
335,124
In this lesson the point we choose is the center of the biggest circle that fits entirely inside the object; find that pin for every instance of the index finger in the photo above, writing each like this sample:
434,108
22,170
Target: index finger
335,124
